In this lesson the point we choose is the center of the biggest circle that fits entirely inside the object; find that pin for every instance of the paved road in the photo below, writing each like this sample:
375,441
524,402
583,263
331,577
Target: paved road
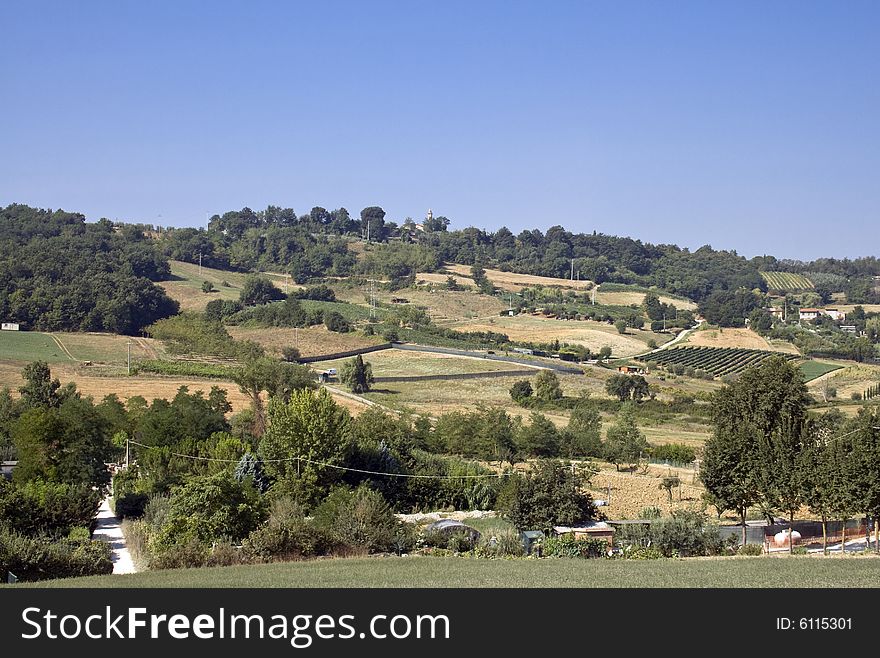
110,530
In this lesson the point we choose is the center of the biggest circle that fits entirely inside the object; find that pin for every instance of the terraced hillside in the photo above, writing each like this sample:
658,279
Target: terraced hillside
718,361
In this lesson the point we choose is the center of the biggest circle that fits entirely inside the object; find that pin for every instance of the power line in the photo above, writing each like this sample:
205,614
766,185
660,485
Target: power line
336,466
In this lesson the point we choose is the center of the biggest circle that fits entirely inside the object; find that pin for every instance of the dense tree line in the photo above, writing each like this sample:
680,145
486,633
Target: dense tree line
59,273
766,452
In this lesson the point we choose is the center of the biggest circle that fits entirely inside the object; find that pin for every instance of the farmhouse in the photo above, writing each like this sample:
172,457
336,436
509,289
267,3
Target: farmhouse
631,370
835,314
776,312
10,326
810,313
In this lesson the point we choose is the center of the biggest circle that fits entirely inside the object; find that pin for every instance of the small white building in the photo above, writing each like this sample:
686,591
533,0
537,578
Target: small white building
810,313
10,326
835,314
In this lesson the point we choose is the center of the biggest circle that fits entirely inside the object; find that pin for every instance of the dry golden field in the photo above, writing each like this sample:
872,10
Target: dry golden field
186,285
312,341
852,378
736,337
627,298
631,492
594,335
441,305
397,363
516,282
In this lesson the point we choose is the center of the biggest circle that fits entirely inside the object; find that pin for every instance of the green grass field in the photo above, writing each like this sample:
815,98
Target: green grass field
813,369
775,572
30,346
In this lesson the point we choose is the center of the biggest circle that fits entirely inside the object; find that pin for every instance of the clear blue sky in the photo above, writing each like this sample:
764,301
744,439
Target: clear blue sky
752,126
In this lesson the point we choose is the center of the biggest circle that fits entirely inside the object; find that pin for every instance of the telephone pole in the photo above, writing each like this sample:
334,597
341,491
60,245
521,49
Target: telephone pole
200,264
129,356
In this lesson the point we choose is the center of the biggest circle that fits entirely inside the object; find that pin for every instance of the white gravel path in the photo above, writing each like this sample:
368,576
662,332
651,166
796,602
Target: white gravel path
110,530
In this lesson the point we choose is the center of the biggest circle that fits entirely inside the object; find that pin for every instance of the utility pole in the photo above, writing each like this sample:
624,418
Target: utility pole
572,269
127,452
129,356
664,322
200,264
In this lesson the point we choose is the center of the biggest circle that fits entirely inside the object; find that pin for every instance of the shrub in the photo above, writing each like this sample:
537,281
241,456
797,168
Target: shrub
509,543
185,554
131,506
391,335
567,546
290,354
207,286
673,452
287,535
521,390
335,322
855,396
38,507
750,549
137,540
549,495
41,557
641,553
361,519
208,509
224,554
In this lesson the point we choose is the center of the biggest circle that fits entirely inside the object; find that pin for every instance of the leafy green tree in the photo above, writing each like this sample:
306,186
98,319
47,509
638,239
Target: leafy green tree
211,508
551,494
621,326
259,290
373,217
358,374
539,438
360,519
310,434
582,437
207,287
69,444
604,353
452,284
652,306
624,442
758,423
547,386
335,322
251,467
40,390
521,391
620,386
279,379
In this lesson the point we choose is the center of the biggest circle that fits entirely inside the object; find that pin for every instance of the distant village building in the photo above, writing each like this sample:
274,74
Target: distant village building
835,314
848,328
631,370
810,313
775,312
10,326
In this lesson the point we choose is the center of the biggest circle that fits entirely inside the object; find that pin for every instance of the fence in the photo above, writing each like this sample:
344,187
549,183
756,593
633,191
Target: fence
810,531
458,375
